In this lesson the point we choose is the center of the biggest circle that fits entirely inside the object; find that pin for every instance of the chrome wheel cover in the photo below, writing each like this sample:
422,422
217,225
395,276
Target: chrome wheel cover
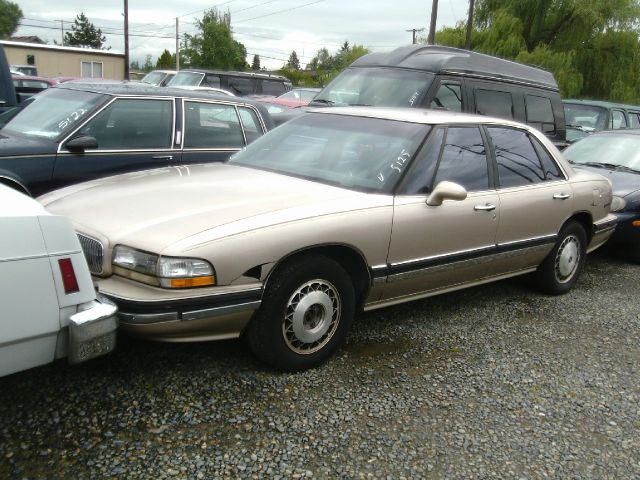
311,317
567,259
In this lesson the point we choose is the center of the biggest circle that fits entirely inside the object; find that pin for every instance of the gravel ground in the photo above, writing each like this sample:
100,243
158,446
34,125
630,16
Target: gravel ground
492,382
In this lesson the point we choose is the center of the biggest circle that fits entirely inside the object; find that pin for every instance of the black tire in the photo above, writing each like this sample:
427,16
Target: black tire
292,331
559,272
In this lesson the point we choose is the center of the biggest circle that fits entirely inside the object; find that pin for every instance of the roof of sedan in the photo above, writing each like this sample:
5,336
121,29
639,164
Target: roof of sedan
145,89
414,115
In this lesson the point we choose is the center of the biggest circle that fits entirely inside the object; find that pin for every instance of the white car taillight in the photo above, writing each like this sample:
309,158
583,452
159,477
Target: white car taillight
69,280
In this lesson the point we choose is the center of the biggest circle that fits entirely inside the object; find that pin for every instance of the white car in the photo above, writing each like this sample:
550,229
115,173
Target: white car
48,305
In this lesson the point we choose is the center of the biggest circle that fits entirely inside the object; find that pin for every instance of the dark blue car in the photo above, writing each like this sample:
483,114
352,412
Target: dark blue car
80,131
616,155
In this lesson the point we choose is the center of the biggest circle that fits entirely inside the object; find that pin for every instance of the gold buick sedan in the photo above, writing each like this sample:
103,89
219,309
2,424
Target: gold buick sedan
335,212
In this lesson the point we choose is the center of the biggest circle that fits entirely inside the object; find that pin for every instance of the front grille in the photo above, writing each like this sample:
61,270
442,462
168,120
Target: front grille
93,252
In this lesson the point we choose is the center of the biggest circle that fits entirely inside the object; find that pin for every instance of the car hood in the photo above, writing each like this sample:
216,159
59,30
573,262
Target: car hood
16,144
187,206
623,183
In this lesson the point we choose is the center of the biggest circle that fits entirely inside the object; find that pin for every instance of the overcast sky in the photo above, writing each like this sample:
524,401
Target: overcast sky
269,28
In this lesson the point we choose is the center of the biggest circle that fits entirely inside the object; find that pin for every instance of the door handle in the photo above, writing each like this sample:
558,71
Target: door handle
486,207
561,196
163,157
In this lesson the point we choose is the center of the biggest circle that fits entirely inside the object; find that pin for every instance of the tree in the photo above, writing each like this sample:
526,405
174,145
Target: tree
214,46
135,65
10,16
591,47
84,34
166,60
255,65
148,64
293,63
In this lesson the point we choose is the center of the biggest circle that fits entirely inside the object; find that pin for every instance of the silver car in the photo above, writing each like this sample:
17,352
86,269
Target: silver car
337,211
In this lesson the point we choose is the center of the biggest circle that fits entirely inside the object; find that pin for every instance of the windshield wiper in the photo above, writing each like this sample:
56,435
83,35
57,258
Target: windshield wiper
322,100
624,168
610,166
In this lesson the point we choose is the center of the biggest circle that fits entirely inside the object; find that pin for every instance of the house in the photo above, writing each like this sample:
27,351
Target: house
59,61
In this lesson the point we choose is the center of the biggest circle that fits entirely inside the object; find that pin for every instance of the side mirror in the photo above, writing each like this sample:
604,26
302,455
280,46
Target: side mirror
80,144
446,191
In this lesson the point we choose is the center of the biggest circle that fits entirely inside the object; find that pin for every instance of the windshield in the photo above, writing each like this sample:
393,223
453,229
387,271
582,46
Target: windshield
54,112
192,79
384,87
359,153
154,78
621,150
581,120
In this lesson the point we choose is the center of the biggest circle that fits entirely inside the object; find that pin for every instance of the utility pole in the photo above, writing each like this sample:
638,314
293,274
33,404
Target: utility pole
414,30
61,30
177,46
467,43
126,39
432,26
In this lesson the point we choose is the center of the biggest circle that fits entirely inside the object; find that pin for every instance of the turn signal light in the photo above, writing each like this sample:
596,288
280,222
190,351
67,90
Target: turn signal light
636,223
69,280
191,282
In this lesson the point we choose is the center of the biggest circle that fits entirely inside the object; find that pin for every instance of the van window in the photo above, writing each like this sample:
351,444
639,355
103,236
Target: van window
211,81
272,87
449,97
464,159
540,113
494,103
634,120
518,162
618,120
240,86
376,86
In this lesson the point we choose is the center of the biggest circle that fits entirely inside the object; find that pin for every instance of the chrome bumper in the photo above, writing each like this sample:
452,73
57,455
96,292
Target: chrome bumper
92,331
215,317
602,231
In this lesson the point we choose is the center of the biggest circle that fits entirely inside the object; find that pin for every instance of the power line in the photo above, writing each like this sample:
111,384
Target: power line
280,11
206,8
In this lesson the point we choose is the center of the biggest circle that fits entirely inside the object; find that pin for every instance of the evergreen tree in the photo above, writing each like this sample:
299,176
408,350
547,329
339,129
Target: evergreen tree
255,65
84,34
293,63
10,16
166,60
148,64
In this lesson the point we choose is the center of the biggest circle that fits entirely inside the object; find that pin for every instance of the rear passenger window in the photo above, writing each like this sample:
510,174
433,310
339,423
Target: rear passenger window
618,120
449,97
464,159
551,169
251,123
540,113
240,86
518,162
211,81
634,120
211,125
494,103
272,87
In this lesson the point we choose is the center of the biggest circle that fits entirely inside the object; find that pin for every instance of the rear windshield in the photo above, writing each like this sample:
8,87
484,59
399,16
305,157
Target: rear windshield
384,87
583,119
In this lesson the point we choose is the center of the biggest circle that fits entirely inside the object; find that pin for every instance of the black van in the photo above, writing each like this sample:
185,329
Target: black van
238,83
452,79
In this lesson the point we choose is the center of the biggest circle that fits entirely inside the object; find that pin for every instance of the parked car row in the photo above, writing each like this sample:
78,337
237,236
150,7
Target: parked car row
199,220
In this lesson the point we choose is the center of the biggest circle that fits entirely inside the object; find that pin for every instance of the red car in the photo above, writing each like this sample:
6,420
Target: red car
298,97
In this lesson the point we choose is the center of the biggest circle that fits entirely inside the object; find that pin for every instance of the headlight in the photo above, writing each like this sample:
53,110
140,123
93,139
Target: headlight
166,272
618,204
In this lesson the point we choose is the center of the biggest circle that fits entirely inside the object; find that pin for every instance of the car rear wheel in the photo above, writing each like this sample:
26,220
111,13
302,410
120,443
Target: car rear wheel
307,309
560,270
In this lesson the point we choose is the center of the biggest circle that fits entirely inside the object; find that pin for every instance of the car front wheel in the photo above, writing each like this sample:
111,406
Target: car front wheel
560,270
307,309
